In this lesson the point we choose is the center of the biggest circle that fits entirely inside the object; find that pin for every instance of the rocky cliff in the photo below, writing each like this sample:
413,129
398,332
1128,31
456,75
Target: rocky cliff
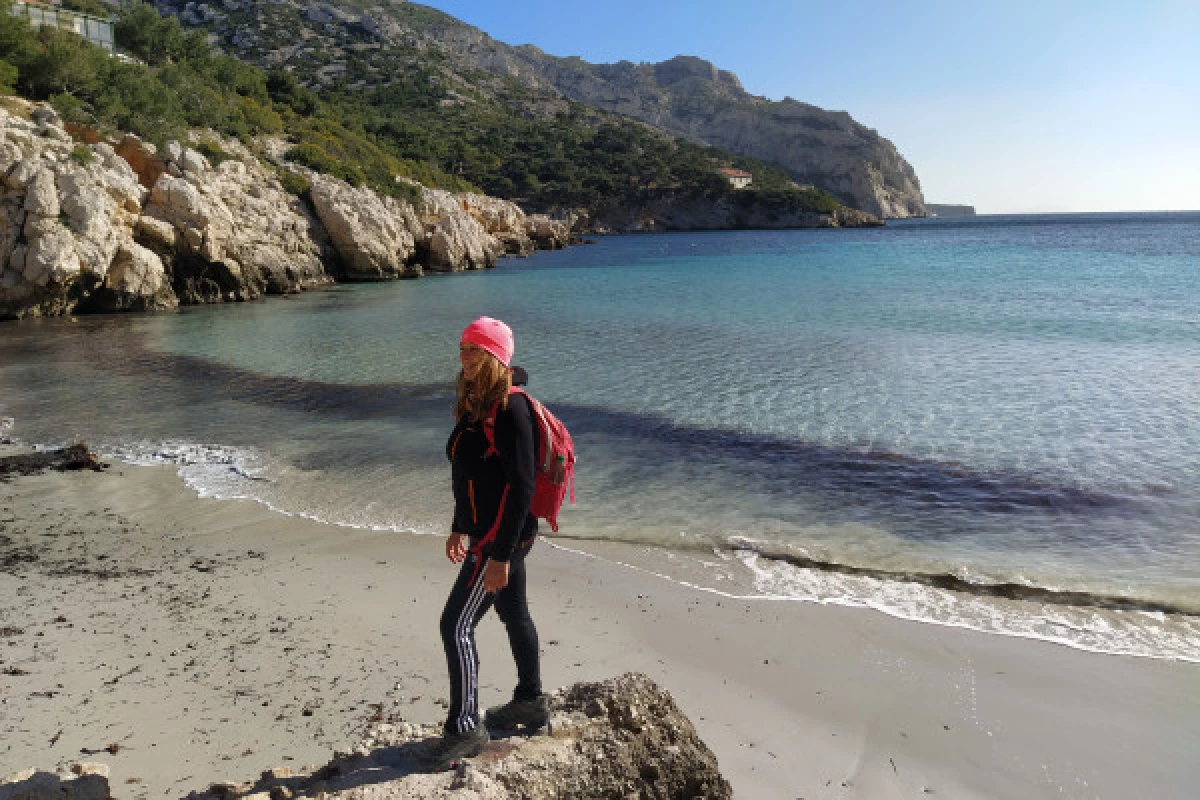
690,97
367,44
617,739
117,225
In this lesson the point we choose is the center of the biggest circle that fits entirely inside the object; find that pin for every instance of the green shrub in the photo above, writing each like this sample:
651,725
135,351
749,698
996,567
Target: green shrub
212,151
82,155
294,182
8,77
69,107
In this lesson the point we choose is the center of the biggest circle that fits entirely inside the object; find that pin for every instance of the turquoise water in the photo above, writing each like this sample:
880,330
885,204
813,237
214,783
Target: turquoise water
989,422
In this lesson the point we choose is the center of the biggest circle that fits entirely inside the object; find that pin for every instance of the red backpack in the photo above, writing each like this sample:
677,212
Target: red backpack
555,467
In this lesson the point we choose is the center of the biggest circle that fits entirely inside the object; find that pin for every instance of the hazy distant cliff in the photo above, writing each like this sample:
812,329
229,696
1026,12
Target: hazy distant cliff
690,97
948,210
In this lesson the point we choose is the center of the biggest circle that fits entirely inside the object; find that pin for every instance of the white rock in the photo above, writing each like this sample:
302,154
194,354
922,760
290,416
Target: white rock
136,271
52,257
157,230
374,234
22,139
458,241
92,216
10,154
191,161
23,173
172,151
91,768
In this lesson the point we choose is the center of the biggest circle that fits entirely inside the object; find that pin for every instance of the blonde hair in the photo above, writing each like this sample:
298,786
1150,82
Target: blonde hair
477,398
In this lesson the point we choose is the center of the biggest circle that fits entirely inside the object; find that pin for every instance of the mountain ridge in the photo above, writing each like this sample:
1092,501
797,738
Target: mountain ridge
359,44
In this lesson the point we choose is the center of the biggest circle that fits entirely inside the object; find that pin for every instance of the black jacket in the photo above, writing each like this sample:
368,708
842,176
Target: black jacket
480,479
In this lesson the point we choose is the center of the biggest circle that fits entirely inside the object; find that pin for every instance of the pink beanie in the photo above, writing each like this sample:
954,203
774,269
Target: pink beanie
493,336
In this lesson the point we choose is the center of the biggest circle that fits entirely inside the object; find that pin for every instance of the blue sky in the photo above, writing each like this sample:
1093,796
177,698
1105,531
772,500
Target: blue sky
1012,107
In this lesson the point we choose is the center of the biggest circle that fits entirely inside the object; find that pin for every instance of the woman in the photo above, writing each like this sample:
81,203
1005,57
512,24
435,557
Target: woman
491,535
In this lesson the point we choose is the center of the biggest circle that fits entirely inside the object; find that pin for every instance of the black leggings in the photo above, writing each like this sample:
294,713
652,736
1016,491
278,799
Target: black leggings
464,608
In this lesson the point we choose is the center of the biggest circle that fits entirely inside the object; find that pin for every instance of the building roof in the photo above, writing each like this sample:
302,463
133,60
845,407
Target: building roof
734,173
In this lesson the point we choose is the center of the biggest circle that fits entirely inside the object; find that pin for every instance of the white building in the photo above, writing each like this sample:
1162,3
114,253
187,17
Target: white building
740,179
95,29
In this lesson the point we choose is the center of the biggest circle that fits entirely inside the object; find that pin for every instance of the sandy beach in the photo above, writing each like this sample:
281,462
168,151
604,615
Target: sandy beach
184,641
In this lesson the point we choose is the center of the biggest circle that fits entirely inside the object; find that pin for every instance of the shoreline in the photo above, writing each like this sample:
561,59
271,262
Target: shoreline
1089,620
213,639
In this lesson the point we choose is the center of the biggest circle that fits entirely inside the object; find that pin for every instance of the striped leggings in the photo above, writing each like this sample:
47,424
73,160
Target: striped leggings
464,608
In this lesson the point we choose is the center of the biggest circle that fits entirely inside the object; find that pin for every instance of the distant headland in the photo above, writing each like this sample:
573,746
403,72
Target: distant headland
947,210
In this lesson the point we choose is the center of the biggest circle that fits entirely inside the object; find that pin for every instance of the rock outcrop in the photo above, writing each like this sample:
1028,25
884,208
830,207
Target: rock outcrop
375,236
79,231
85,781
621,738
618,739
236,234
120,226
66,217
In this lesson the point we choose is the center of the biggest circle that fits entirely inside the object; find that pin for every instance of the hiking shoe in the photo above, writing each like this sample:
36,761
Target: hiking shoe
527,714
454,747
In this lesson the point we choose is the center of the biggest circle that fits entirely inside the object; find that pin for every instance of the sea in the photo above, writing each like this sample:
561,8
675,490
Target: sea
988,422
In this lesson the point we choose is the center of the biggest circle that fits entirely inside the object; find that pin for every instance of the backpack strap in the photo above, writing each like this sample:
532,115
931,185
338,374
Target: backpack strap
489,432
488,537
489,423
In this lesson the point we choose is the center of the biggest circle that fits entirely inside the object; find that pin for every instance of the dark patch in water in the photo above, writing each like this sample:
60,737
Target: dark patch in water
845,477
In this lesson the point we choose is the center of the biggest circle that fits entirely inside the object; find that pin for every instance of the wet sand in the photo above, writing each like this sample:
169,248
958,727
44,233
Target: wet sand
184,641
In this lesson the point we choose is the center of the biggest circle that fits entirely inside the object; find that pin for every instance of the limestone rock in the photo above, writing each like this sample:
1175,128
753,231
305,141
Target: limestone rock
51,257
217,234
93,215
457,241
22,173
470,231
89,784
135,229
376,236
236,233
191,161
161,234
137,280
41,196
548,233
617,739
